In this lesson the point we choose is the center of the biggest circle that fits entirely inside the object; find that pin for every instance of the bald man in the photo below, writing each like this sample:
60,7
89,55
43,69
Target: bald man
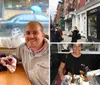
34,54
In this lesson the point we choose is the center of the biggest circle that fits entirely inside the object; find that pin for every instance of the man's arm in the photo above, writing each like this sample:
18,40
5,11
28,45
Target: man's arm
18,53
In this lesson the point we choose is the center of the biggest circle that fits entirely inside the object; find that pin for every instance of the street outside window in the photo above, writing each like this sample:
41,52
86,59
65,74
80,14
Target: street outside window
15,14
92,31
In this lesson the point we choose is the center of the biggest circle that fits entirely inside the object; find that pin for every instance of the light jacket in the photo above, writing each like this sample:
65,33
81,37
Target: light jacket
36,65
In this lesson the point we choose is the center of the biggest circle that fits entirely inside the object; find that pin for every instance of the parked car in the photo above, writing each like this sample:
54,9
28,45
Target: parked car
16,24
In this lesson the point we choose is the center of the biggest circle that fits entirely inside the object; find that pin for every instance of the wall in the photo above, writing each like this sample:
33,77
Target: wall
82,3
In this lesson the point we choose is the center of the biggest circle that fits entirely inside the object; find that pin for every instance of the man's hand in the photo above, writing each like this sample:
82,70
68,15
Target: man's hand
9,62
3,61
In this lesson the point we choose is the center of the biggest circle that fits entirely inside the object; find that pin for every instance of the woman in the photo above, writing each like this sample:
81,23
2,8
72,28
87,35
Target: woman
74,63
75,35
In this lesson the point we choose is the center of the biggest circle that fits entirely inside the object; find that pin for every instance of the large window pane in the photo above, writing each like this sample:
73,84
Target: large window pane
92,31
17,13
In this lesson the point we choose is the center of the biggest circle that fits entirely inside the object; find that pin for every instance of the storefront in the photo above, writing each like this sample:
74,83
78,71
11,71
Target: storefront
68,24
93,24
68,21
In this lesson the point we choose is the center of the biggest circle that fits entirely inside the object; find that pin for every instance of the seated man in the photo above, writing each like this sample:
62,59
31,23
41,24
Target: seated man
34,54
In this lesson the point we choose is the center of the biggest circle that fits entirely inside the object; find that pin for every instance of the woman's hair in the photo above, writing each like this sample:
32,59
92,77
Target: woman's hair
76,43
75,27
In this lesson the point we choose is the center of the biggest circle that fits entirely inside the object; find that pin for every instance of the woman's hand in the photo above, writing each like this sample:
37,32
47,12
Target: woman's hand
86,78
62,78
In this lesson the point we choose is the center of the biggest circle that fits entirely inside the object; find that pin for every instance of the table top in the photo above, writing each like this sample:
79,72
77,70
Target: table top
19,77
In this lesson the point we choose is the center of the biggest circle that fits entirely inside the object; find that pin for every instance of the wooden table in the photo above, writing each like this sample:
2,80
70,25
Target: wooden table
19,77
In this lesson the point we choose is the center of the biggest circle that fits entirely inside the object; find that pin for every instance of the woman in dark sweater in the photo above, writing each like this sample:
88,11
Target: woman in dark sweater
74,63
75,35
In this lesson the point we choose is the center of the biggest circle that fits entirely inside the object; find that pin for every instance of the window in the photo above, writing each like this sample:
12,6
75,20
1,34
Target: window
27,17
87,1
92,31
41,18
78,3
15,14
86,48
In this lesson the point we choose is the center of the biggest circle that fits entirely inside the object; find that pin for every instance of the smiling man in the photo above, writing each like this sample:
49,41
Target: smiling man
34,35
34,54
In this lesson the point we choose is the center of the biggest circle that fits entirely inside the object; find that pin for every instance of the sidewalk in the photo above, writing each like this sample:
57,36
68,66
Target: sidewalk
68,39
